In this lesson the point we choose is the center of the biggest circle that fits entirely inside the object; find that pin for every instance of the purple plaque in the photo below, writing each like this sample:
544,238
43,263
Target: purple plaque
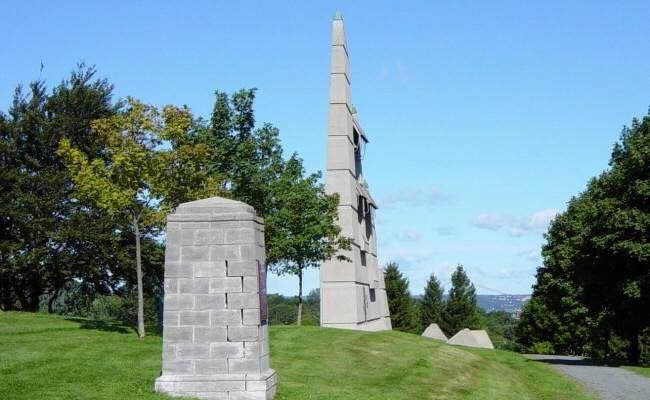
262,292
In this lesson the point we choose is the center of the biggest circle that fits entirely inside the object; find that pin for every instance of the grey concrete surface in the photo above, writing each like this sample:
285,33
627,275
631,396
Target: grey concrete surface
607,383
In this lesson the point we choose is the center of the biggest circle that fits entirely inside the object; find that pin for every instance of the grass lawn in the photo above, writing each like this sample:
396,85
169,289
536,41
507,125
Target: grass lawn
50,357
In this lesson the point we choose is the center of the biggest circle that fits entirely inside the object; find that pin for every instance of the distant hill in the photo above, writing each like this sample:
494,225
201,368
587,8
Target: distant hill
511,303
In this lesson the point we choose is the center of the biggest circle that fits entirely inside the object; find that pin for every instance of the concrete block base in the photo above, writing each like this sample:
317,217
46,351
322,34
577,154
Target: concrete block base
380,324
215,332
219,387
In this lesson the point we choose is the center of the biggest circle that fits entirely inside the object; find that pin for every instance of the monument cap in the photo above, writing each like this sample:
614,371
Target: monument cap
213,207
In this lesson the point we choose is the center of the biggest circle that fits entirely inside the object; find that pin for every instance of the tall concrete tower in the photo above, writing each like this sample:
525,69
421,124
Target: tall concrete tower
353,294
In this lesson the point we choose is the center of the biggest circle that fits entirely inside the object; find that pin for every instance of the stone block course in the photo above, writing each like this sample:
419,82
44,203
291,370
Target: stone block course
227,350
210,301
252,349
250,284
242,268
178,269
226,317
194,286
192,351
195,253
251,316
243,300
179,334
240,236
178,367
210,269
210,335
179,302
195,318
244,365
211,367
225,285
243,333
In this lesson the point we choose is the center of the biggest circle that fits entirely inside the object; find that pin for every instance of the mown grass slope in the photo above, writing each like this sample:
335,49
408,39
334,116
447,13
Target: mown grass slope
51,357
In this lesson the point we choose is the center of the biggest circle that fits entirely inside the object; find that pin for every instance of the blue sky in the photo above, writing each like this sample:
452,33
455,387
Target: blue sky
484,118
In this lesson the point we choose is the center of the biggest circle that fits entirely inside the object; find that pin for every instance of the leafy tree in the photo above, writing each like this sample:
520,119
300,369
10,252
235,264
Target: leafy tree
400,304
137,180
282,309
460,309
500,325
591,294
246,159
302,231
46,238
300,218
431,305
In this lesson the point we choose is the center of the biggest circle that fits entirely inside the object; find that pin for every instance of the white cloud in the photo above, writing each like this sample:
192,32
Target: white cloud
541,219
409,235
415,197
536,222
446,230
491,221
417,264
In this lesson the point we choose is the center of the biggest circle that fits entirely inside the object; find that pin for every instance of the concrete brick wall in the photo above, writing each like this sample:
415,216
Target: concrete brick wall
214,344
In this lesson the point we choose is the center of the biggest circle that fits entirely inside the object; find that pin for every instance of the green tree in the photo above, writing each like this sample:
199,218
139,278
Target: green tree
432,304
460,309
302,231
47,238
500,325
138,180
248,160
592,291
400,304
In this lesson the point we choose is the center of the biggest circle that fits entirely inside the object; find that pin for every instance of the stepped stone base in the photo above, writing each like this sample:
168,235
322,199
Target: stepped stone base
219,387
380,324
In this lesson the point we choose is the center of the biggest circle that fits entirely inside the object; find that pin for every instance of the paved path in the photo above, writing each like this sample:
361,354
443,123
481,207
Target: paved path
609,383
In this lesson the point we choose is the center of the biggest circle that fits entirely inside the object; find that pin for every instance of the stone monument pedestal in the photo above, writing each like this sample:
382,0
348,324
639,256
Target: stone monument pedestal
215,332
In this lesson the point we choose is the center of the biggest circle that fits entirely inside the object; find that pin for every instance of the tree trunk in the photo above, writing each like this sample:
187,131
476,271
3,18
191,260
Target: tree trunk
299,321
138,271
50,301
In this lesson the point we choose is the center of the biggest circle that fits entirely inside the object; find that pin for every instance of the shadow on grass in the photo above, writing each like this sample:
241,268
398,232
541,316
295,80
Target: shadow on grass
102,325
572,361
564,361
